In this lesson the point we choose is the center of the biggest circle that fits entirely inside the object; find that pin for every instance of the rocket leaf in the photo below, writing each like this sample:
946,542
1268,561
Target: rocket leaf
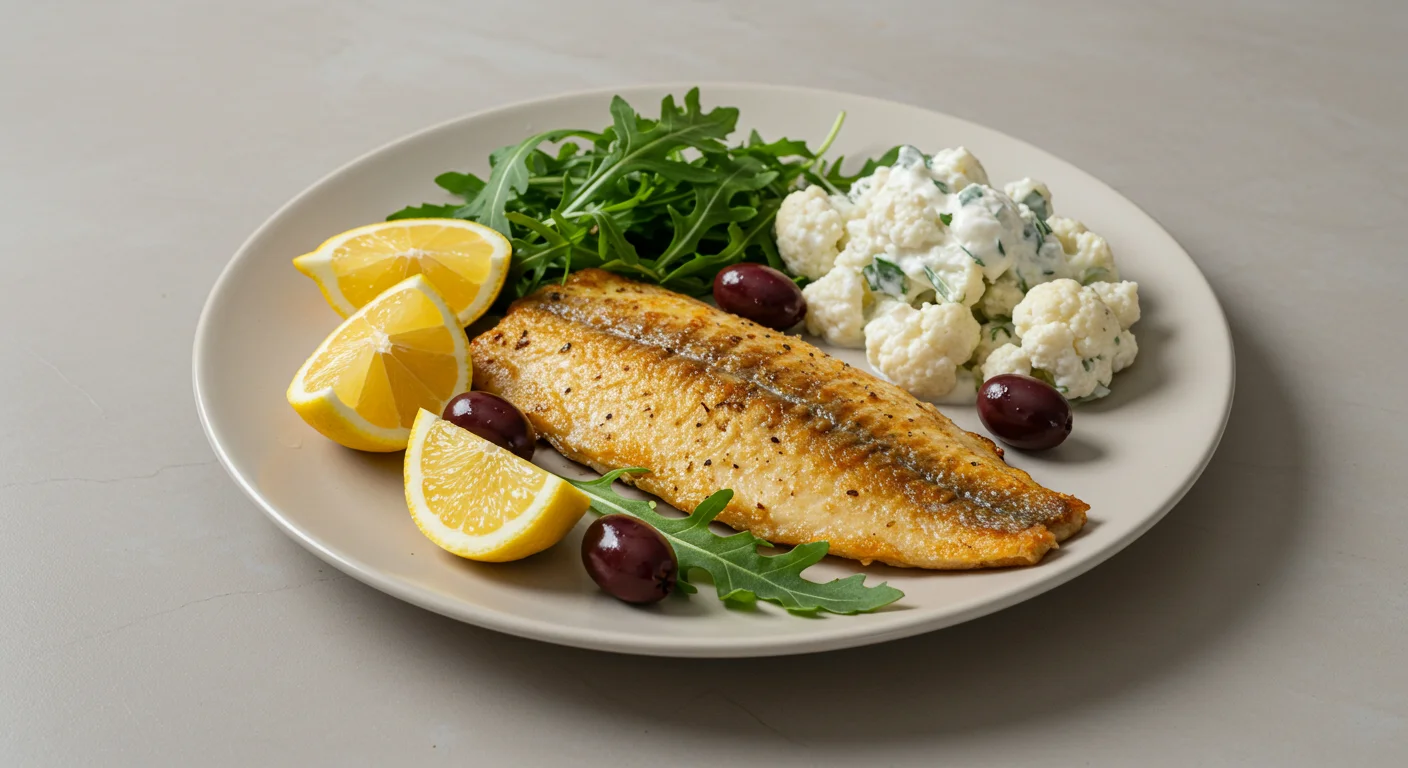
712,207
740,574
641,144
665,199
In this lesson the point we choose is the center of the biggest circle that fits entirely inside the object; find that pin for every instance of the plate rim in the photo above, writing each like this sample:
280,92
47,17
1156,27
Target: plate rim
857,634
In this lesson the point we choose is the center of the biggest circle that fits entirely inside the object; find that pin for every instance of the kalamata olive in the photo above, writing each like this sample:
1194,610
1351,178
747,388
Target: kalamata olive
629,559
761,294
494,419
1024,412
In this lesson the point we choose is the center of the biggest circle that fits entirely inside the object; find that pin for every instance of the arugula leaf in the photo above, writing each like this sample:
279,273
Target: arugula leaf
611,243
776,149
843,182
465,185
1045,375
739,573
663,199
546,246
635,148
740,240
787,171
712,207
769,248
886,277
507,180
424,211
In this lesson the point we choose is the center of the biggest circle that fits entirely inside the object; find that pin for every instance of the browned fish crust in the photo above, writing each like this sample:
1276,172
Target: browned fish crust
617,374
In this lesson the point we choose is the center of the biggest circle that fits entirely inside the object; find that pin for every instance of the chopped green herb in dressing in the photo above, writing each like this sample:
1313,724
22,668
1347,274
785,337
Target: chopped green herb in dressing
940,285
1037,203
886,277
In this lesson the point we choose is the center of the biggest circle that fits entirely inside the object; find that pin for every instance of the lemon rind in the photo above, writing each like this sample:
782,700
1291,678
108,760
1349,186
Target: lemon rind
513,541
317,264
324,410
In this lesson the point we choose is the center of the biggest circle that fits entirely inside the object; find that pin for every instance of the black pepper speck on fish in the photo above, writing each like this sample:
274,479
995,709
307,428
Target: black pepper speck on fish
840,467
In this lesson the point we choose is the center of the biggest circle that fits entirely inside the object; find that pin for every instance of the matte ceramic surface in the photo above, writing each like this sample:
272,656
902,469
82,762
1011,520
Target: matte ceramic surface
1132,456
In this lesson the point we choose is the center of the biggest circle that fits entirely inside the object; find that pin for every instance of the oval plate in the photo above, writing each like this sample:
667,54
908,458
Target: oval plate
1132,456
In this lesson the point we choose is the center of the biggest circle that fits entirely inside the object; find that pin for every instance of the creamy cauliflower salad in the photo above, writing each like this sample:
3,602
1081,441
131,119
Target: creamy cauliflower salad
946,280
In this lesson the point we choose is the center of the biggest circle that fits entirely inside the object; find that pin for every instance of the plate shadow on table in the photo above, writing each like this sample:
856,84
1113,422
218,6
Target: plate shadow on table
1149,611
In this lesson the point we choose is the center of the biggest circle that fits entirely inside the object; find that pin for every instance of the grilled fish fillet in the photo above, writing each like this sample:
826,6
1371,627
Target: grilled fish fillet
614,374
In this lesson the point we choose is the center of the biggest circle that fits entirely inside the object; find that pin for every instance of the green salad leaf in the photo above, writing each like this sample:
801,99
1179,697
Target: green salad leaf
712,207
664,199
739,573
426,211
463,184
507,180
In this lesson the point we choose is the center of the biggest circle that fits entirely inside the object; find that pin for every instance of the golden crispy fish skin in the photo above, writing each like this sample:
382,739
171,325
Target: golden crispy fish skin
614,374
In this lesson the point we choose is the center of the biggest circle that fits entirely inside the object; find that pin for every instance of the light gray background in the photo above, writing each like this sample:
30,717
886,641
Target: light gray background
152,616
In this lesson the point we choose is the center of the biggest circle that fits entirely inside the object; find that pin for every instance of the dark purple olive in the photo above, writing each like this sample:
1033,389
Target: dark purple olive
494,419
761,294
1024,412
629,559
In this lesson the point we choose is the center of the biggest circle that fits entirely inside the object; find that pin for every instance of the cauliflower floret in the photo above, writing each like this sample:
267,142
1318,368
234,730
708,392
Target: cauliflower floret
895,209
1031,193
937,233
855,255
885,306
993,335
921,349
836,307
811,231
865,188
1088,256
1067,302
1126,347
955,277
902,222
1002,296
1055,348
1041,260
1122,299
1067,331
1008,358
957,168
902,216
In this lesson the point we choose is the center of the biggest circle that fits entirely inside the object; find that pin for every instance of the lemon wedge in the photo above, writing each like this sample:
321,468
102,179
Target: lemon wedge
466,262
365,383
477,500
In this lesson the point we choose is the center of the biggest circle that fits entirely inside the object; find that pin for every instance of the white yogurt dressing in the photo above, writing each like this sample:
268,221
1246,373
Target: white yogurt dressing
931,231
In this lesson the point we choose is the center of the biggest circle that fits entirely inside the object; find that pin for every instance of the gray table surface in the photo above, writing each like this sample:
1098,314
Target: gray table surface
152,616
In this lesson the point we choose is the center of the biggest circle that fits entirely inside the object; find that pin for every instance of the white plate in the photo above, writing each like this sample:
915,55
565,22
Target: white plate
1132,456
